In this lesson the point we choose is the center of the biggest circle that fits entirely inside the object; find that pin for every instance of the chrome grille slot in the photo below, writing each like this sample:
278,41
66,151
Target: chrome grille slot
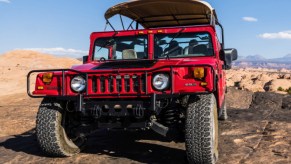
143,83
127,83
110,83
135,79
94,84
118,84
102,84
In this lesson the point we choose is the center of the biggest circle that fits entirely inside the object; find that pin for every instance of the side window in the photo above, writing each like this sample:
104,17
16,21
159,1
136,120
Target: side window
141,50
121,48
183,45
101,52
118,55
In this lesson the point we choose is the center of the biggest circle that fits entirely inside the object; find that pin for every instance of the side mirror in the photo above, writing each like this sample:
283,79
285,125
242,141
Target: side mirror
228,55
85,59
232,52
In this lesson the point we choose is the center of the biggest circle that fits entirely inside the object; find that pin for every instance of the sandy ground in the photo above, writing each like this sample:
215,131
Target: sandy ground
15,65
258,129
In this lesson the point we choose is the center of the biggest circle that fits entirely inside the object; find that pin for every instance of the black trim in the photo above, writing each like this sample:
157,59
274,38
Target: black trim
63,83
173,81
80,101
49,70
153,102
222,33
146,82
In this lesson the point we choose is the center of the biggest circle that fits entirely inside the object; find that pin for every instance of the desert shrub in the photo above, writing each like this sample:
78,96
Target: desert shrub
289,90
236,84
280,89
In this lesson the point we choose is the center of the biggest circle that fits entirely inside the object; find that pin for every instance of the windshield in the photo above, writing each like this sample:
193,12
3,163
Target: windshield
121,48
183,45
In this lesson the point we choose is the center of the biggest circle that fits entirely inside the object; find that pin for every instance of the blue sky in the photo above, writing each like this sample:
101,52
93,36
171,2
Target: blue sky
63,27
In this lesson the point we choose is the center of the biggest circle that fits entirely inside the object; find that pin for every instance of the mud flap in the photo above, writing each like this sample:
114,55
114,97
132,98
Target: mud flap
163,130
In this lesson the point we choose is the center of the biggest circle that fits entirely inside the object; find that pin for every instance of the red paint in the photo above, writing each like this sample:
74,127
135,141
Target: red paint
183,83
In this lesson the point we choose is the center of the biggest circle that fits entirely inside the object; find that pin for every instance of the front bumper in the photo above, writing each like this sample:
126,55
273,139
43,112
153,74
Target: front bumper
111,84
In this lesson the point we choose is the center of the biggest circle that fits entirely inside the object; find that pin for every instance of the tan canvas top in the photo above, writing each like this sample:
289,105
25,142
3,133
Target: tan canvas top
165,13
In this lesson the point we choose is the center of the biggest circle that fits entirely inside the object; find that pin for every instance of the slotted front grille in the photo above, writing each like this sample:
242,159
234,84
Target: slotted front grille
135,83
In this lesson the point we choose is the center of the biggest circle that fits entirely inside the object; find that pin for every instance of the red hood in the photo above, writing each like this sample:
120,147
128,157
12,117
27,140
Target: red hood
151,64
87,66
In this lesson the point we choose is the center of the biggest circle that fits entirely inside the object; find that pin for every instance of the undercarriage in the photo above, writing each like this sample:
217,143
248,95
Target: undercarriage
164,116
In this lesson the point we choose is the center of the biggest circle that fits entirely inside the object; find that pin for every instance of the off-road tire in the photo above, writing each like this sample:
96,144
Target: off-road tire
50,132
201,136
223,114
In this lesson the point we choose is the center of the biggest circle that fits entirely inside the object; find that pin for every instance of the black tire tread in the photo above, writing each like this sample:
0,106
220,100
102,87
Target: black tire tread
199,147
50,134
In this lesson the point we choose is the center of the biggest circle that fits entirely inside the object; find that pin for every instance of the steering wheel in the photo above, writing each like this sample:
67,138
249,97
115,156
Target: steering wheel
102,59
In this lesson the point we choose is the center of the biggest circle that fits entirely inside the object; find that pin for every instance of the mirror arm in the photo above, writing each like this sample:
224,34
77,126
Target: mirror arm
222,33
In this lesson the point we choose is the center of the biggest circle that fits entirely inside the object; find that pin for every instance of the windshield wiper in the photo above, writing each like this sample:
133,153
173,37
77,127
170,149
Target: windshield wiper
178,34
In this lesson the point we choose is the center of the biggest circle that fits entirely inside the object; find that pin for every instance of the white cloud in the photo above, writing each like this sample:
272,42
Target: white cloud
5,1
250,19
59,51
278,35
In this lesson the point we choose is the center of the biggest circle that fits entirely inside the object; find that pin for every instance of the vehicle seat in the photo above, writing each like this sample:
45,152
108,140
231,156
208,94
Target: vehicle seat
201,50
174,49
129,54
141,55
189,50
158,51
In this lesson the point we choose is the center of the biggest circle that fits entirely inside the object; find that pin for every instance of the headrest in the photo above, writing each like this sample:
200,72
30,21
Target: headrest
129,54
193,42
174,43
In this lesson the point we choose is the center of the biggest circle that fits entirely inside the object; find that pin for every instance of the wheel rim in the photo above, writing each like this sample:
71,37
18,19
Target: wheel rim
74,142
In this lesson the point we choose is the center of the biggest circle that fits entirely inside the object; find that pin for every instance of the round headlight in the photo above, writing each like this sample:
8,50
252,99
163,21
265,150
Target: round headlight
78,84
161,81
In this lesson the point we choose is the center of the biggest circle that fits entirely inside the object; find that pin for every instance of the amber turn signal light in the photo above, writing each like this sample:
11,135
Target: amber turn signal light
199,73
160,31
47,77
141,32
204,84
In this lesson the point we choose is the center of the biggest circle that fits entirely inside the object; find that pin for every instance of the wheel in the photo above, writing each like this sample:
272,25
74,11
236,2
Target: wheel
201,126
223,113
51,130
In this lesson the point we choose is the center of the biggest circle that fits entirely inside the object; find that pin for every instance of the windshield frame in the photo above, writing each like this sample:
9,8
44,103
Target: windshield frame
112,51
151,39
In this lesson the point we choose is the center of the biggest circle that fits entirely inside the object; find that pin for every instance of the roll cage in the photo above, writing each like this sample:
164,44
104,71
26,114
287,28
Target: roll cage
152,14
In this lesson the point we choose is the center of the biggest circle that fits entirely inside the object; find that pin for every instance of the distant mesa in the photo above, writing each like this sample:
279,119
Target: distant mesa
254,58
258,61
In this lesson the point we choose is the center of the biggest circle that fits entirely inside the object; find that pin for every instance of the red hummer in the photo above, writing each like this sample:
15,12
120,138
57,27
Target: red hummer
165,74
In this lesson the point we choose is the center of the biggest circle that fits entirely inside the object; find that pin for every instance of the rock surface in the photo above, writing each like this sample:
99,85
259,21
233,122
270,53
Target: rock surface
258,129
259,80
286,104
